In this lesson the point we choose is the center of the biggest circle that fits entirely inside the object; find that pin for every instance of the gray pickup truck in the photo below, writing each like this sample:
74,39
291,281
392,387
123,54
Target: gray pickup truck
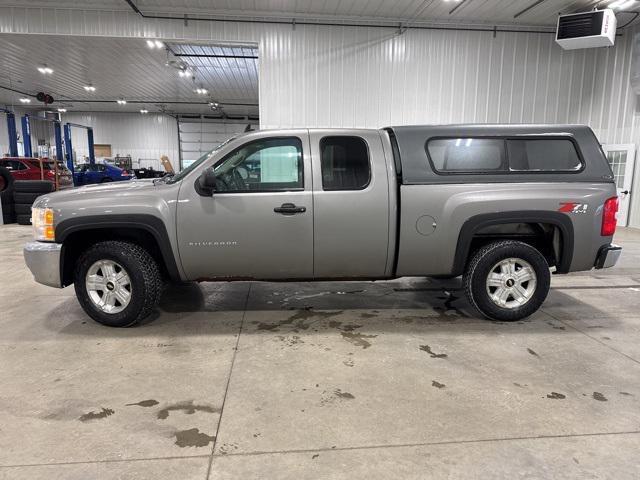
503,206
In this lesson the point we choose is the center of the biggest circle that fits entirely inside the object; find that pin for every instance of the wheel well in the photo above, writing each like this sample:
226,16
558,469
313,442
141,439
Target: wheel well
547,238
79,241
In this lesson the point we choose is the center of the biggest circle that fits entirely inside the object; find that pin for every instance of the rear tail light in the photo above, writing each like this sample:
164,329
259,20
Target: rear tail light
609,217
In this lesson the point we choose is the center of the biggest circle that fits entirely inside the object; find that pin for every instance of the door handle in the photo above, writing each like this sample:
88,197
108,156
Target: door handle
289,209
626,192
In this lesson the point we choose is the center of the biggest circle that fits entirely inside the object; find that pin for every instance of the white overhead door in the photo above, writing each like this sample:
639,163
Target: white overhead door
622,159
198,136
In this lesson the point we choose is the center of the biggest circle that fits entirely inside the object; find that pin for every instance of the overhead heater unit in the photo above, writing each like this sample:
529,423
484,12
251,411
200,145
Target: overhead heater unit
587,30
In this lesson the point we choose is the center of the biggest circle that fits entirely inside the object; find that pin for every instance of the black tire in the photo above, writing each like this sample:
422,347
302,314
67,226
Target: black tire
23,219
8,218
22,209
482,264
25,198
34,186
6,179
9,209
106,180
145,281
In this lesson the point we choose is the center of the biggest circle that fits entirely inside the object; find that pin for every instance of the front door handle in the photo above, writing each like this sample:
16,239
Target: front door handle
289,209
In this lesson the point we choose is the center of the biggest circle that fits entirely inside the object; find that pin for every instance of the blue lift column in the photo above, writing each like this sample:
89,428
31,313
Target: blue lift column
57,133
13,134
68,147
92,155
26,136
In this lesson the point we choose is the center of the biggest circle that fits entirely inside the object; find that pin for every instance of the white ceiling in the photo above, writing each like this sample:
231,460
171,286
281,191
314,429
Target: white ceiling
127,68
469,11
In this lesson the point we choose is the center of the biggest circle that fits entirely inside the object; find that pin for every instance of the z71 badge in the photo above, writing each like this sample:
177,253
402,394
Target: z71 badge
572,207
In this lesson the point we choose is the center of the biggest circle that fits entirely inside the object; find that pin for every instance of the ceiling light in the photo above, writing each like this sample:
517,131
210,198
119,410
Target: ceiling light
90,88
621,4
154,44
144,110
122,102
62,110
201,91
25,100
45,70
214,105
184,73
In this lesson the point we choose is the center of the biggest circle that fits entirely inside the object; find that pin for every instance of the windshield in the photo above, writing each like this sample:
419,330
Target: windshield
186,171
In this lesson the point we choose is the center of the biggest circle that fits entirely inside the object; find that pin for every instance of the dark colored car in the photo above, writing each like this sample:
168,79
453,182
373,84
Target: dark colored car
27,168
100,173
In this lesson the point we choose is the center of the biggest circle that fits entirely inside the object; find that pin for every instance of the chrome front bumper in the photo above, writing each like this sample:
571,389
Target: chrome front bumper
608,256
43,259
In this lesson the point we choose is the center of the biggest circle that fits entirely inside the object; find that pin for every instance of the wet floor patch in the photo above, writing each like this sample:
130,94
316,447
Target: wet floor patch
556,396
432,354
188,408
193,438
144,403
98,415
437,384
598,396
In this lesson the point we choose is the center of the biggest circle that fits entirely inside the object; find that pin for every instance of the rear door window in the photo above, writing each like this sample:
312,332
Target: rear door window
344,163
543,155
467,155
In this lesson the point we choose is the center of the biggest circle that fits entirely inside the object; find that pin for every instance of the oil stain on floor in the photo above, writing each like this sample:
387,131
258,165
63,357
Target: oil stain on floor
187,407
193,438
103,413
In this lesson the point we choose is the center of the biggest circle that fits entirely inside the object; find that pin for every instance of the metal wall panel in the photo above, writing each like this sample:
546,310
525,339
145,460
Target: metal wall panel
369,77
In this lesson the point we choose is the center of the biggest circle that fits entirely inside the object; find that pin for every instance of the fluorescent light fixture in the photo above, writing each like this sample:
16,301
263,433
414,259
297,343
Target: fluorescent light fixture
184,73
90,88
62,110
25,100
201,91
154,44
45,70
144,110
122,102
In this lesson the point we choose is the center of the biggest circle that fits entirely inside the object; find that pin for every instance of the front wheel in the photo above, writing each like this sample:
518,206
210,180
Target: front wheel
507,280
117,283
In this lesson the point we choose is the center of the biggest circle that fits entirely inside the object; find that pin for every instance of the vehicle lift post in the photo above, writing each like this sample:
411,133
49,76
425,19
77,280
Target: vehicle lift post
26,136
13,132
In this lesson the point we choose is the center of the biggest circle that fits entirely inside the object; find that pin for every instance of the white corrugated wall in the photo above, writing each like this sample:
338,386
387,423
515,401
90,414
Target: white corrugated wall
369,77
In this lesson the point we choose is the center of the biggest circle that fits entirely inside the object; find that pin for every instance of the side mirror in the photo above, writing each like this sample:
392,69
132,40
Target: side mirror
206,183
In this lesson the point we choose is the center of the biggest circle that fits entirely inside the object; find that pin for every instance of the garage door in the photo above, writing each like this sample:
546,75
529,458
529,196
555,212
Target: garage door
199,136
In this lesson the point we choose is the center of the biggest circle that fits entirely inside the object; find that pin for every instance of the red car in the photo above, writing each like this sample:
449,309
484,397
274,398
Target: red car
26,168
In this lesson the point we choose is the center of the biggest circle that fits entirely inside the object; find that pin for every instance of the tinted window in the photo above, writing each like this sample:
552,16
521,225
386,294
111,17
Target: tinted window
543,155
269,164
459,155
345,163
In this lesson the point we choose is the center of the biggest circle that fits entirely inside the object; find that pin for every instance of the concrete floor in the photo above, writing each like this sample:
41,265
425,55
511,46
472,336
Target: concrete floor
359,380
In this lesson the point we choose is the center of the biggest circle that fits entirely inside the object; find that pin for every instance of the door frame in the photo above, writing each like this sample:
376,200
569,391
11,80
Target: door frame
630,148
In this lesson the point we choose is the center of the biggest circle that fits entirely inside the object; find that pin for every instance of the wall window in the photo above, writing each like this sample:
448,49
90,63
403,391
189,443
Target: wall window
270,164
543,155
460,155
345,163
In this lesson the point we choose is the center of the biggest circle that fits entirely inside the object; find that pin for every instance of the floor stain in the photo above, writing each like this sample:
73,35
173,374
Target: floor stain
427,348
315,456
436,384
193,438
187,407
297,321
556,396
449,298
340,394
532,352
358,339
368,315
626,394
520,385
104,413
144,403
290,340
349,363
600,397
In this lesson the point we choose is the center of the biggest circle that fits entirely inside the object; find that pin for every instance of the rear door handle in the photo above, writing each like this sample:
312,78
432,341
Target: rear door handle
289,209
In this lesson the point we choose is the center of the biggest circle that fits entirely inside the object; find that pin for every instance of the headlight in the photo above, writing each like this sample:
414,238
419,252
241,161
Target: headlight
42,220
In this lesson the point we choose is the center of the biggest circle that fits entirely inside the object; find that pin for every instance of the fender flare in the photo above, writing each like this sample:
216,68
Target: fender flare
149,223
477,222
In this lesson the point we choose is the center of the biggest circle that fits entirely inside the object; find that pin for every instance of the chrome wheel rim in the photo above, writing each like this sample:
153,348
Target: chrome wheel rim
511,283
109,286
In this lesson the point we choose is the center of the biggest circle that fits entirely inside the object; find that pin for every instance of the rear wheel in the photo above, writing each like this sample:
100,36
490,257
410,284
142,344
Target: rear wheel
117,283
507,280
